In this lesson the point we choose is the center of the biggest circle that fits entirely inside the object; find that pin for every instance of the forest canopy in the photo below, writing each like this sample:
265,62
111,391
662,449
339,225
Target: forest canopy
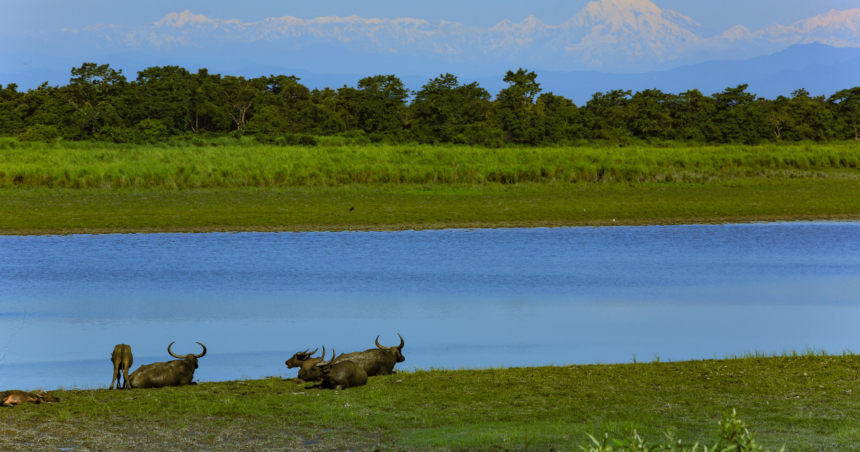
100,103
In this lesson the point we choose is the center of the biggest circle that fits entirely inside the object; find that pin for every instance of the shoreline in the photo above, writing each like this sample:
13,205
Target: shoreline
436,226
729,357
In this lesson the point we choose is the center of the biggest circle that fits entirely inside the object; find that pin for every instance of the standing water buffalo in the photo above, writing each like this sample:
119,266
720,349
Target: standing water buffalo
307,365
338,374
179,372
377,361
15,397
122,361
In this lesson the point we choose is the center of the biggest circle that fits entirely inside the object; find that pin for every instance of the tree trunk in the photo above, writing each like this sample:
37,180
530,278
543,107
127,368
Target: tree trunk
243,109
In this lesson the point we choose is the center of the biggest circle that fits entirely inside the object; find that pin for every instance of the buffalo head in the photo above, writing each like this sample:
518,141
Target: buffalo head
298,358
394,350
307,365
190,358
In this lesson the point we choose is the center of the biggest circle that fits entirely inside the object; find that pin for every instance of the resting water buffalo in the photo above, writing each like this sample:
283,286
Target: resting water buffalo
307,365
15,397
378,361
340,374
122,361
178,372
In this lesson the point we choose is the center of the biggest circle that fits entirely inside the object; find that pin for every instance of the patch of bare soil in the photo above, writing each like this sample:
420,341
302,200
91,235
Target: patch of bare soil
27,435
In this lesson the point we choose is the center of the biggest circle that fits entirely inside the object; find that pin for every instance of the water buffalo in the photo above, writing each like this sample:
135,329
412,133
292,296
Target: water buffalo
378,361
179,372
15,397
339,374
122,361
307,365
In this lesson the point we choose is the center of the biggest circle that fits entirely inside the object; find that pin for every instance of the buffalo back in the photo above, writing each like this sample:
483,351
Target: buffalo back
374,361
158,375
345,374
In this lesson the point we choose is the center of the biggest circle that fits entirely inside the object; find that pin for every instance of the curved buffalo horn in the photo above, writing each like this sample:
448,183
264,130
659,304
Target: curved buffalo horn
202,354
173,354
305,351
323,364
312,353
399,347
377,344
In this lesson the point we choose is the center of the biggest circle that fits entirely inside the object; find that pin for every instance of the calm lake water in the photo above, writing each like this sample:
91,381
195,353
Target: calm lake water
505,297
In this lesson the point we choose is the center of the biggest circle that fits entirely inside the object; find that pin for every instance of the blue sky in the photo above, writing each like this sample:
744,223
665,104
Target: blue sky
48,15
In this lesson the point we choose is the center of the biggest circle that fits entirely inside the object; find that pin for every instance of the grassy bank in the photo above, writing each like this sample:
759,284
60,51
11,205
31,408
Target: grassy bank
58,211
94,165
807,402
237,186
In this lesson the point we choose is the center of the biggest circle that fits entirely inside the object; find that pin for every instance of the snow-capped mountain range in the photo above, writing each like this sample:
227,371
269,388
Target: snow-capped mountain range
605,35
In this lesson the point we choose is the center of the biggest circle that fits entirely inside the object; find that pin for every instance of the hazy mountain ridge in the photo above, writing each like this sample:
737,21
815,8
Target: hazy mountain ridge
836,28
606,34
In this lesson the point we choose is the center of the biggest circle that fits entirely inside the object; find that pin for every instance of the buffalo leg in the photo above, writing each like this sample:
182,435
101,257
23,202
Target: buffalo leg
125,384
114,379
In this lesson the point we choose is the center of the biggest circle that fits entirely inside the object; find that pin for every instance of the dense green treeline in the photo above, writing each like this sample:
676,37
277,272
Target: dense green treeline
100,103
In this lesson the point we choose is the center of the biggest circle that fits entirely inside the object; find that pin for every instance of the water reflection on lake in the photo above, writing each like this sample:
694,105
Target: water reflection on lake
460,298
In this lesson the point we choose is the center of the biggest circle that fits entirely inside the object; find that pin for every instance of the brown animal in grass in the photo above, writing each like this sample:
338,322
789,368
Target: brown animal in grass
122,361
179,372
15,397
337,374
377,361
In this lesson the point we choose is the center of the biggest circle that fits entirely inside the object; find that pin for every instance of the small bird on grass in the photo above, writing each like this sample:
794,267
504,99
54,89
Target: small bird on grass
352,208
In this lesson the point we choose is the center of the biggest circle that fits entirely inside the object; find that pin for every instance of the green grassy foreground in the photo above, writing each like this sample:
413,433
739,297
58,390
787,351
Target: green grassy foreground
806,402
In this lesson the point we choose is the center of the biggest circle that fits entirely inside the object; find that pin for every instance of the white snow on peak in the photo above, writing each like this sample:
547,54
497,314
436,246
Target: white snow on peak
503,25
603,7
182,19
410,23
532,23
640,15
835,28
528,25
736,33
849,19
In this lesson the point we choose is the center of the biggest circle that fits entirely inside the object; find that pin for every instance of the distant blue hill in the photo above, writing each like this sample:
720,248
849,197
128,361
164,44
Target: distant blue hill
820,69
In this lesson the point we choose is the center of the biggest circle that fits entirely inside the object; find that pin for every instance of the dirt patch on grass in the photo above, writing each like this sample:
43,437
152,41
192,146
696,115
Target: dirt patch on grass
135,435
